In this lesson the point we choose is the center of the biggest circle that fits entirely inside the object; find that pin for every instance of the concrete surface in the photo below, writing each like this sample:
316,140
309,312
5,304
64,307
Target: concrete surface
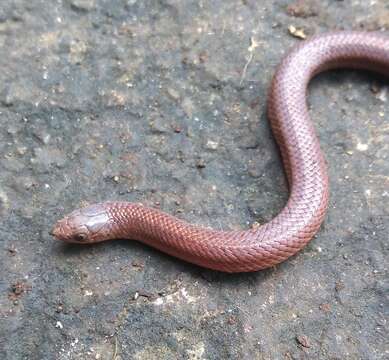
163,101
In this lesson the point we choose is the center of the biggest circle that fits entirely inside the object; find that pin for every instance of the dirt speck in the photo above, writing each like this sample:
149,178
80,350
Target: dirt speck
303,8
303,341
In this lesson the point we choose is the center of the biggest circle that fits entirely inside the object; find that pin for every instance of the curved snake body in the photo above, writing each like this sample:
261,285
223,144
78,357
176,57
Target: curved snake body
289,231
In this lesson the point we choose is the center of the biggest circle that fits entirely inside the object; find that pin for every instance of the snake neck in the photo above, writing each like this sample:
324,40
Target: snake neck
138,222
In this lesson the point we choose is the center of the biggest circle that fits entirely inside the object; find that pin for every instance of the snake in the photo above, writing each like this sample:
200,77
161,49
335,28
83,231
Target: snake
271,243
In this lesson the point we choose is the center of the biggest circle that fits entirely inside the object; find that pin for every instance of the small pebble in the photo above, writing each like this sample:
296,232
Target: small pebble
200,164
85,5
4,202
297,32
212,145
362,147
303,341
21,150
42,136
174,94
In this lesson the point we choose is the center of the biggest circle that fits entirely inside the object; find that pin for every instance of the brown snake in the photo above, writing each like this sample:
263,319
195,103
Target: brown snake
300,219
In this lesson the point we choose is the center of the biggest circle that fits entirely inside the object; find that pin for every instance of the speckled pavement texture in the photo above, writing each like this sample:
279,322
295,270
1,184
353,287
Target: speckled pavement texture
163,102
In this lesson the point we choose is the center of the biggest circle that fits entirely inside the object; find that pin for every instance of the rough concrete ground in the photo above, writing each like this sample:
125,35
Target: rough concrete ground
163,101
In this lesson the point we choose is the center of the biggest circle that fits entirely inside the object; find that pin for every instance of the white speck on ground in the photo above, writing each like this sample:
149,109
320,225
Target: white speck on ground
362,147
177,297
58,325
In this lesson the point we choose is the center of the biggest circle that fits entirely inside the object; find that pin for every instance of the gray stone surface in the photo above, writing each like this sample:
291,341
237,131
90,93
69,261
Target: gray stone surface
164,102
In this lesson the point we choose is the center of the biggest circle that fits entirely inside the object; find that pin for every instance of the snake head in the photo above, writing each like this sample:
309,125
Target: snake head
84,226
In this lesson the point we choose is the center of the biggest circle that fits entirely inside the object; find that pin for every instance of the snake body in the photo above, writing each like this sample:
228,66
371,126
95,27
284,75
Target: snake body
305,167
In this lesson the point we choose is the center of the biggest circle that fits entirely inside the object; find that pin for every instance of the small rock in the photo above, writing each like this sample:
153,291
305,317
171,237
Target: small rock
255,169
325,307
42,136
159,126
58,325
21,150
138,265
8,97
302,9
174,94
297,32
200,164
12,130
84,5
212,145
12,251
4,202
362,147
303,341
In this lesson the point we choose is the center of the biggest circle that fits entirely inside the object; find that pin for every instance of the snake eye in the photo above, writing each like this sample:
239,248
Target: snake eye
80,237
